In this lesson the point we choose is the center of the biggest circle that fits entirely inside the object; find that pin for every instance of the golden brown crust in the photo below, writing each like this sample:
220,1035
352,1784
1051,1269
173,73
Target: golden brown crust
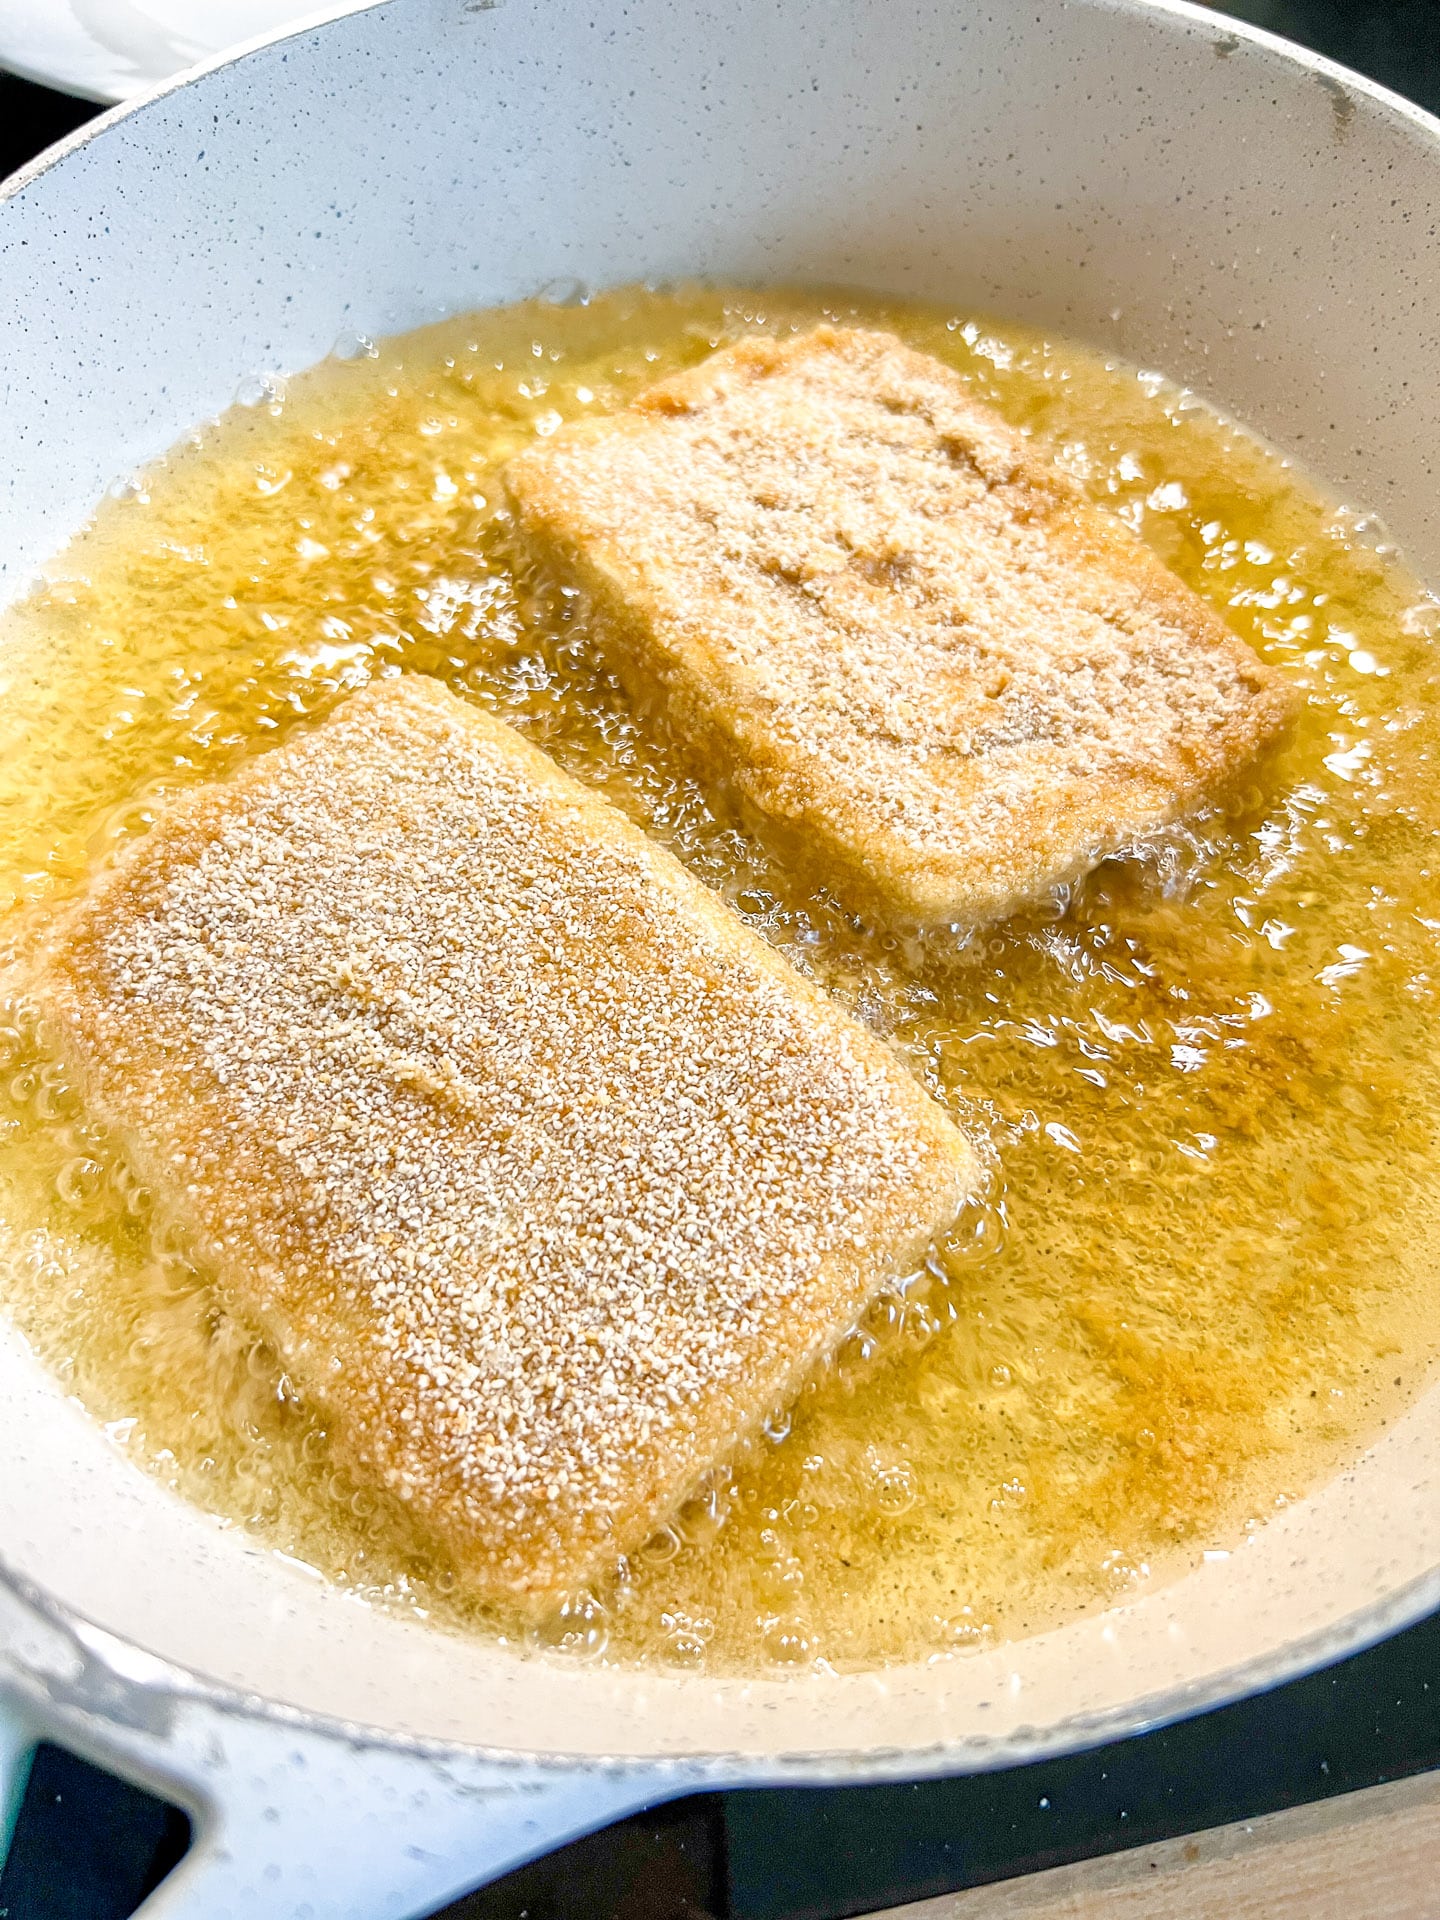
891,628
546,1177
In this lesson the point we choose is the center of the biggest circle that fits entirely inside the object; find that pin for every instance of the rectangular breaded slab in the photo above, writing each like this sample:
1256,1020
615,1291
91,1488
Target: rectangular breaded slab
546,1177
890,627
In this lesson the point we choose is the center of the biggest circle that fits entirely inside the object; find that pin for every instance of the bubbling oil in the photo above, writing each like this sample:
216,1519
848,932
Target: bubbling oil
1202,1272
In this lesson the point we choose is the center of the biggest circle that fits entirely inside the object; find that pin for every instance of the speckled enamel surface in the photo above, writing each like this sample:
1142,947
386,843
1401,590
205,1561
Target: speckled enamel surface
1152,179
1139,175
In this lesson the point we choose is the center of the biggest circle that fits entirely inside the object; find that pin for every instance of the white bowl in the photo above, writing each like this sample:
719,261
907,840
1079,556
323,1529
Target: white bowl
111,50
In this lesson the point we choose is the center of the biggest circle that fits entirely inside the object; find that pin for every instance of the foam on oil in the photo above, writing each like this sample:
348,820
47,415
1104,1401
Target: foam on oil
1205,1269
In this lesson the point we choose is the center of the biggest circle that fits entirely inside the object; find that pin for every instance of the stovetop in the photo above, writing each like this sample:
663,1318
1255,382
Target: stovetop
90,1848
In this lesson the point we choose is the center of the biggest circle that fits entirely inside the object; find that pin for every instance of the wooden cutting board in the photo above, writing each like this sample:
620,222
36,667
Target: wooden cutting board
1373,1855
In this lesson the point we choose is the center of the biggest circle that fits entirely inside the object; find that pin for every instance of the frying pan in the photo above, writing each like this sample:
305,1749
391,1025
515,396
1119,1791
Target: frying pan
1145,176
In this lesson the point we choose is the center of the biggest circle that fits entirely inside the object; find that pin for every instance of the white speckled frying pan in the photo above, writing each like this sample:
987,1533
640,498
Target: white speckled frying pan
1209,201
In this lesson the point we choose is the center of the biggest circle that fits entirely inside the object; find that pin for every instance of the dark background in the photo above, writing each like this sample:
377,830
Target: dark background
89,1848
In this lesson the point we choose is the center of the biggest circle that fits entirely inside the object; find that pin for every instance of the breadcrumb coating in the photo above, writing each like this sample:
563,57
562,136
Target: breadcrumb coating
889,628
546,1177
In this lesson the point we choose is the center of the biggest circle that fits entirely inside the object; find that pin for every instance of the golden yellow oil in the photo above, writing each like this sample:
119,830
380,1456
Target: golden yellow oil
1204,1272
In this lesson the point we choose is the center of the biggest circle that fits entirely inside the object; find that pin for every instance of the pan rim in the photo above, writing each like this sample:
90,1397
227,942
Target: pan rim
1367,1625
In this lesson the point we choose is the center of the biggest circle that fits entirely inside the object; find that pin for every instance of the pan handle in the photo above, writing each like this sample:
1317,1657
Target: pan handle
307,1827
293,1820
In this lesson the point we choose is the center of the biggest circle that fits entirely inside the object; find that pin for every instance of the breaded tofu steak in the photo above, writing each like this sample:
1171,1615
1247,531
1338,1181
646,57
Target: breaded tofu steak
547,1179
889,628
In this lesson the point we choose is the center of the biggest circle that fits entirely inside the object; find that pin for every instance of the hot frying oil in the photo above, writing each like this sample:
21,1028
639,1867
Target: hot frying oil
1203,1272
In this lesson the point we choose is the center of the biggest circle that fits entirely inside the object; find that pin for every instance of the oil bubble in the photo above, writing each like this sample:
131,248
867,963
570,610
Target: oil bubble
883,1315
701,1517
919,1325
578,1627
789,1642
79,1181
895,1489
350,345
54,1098
565,291
964,1633
977,1236
261,390
661,1547
853,1356
683,1651
130,488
